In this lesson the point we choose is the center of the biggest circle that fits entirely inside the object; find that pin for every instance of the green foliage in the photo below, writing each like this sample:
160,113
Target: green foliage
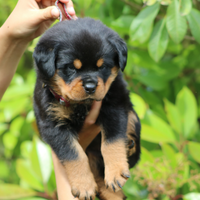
11,191
164,81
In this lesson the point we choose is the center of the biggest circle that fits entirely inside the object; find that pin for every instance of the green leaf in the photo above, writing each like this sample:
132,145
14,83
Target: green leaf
141,26
157,153
151,79
186,172
111,9
18,91
30,117
176,24
158,41
123,21
84,4
27,174
146,156
194,23
10,141
41,162
170,155
4,172
25,148
3,128
139,104
173,116
165,2
149,2
130,188
16,125
32,198
9,191
194,149
159,125
186,6
122,24
187,106
150,134
192,196
14,107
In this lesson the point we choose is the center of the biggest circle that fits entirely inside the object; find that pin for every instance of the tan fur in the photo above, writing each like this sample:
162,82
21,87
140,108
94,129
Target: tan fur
77,64
107,194
114,72
100,62
132,119
80,176
75,90
116,165
59,112
102,88
104,193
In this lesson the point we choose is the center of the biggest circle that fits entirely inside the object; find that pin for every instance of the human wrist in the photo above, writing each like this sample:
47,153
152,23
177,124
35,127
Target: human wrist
9,38
10,54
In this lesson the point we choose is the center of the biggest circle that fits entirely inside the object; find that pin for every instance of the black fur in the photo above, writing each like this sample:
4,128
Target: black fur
87,40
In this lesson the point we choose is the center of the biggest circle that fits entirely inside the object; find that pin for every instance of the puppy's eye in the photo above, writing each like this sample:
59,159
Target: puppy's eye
71,67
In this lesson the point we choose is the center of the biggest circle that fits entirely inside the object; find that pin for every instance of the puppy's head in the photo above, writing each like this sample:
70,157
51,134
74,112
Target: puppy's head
80,59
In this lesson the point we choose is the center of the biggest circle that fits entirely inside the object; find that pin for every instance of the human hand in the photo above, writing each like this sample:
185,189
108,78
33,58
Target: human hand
90,130
31,18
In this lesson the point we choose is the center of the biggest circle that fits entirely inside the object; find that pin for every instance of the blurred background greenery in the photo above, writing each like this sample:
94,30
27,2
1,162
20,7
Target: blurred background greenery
163,75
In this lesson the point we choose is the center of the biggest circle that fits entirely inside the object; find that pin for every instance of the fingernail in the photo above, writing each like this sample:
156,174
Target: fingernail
75,17
55,12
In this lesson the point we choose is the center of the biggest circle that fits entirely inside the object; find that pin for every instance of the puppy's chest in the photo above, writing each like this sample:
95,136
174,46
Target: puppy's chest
73,115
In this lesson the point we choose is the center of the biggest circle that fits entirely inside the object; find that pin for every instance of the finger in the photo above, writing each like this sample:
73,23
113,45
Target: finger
46,3
70,9
49,13
93,114
64,1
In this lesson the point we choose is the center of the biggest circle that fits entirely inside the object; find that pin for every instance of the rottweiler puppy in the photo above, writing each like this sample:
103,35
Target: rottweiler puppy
77,62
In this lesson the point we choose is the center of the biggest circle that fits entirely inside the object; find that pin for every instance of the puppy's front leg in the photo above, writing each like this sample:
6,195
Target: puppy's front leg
74,159
80,176
113,149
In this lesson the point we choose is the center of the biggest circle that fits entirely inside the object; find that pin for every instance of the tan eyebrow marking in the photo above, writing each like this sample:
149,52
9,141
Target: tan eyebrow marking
100,62
77,64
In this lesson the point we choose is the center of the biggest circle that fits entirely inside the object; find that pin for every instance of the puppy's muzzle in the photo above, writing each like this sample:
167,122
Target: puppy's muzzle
90,85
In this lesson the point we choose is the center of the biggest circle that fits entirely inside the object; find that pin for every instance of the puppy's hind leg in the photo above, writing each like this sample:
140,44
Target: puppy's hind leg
133,135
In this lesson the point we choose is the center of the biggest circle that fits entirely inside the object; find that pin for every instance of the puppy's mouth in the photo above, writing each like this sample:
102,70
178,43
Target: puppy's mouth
85,99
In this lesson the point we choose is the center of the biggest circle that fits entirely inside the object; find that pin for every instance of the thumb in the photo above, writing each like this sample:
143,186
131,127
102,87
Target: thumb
51,12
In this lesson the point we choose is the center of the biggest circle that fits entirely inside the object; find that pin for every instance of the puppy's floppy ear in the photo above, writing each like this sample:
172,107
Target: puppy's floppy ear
45,60
120,47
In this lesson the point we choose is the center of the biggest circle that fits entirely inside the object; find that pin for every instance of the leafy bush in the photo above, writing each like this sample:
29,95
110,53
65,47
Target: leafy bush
163,76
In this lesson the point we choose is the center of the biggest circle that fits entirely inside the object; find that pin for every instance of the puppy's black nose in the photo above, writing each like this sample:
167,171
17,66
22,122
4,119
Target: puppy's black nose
89,85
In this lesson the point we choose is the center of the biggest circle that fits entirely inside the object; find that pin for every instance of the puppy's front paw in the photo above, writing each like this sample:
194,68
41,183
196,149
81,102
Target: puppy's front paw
116,176
85,188
81,179
116,165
